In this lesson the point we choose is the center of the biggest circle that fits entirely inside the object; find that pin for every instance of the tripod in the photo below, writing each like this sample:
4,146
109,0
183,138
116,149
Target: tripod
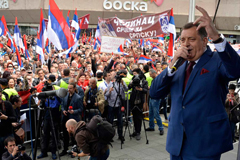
42,113
121,104
140,110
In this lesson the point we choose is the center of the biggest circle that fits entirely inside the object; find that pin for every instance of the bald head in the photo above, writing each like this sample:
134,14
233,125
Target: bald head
71,123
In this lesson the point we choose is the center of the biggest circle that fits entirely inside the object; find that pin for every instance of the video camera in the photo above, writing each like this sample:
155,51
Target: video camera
73,149
47,86
119,76
136,81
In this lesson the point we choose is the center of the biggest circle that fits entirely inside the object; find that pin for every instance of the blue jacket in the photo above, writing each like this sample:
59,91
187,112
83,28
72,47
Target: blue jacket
199,111
77,105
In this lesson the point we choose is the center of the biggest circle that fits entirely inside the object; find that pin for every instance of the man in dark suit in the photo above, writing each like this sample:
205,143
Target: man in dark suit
72,107
198,124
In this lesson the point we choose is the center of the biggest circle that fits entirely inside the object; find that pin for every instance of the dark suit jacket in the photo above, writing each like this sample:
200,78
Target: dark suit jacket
199,111
77,105
7,156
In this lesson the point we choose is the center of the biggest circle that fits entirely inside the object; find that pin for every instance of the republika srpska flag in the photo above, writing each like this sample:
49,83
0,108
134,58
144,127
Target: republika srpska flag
41,38
58,30
144,59
10,39
3,31
172,31
18,37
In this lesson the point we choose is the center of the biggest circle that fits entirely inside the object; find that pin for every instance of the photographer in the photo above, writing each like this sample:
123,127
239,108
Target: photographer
54,103
13,151
71,109
115,102
231,101
93,99
87,141
139,88
7,117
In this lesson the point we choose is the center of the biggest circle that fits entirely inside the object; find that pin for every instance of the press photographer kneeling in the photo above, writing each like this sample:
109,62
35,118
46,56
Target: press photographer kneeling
87,141
13,151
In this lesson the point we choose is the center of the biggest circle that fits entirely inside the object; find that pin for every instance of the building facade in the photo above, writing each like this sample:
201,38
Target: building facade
28,12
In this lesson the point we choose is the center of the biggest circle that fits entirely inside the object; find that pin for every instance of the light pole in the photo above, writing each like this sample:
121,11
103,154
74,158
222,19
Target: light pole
191,17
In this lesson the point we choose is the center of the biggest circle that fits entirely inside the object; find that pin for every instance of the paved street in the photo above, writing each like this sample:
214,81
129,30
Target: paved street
139,150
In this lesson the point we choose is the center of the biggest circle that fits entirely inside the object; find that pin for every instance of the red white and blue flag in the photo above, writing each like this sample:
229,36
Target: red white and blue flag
18,37
6,31
120,49
161,38
19,60
3,31
172,32
41,38
156,49
59,33
27,55
74,25
144,59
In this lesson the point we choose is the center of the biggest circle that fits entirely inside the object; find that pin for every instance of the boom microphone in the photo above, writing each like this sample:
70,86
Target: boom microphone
62,92
177,64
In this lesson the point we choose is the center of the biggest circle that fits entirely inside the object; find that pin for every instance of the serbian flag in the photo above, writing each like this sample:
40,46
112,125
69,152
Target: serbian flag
148,43
19,60
18,37
58,30
144,59
156,49
68,18
161,39
97,33
141,42
172,31
3,31
27,55
120,49
98,41
41,38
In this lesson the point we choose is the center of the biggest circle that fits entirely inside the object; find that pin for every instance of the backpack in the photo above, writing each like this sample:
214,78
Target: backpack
100,128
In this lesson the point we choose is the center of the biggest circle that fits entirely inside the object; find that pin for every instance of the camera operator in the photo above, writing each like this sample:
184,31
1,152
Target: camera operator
7,117
71,109
139,87
53,102
116,102
87,141
93,99
231,101
13,151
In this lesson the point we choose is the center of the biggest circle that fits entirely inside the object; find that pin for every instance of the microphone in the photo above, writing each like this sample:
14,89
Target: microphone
177,64
62,92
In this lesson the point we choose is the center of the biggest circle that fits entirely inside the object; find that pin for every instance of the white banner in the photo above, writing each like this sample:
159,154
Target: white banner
111,44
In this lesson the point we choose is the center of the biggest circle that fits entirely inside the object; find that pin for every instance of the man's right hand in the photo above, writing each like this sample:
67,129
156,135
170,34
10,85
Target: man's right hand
65,113
84,103
181,52
15,151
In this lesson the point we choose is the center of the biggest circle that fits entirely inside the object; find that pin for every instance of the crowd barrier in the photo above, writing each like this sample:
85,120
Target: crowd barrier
36,114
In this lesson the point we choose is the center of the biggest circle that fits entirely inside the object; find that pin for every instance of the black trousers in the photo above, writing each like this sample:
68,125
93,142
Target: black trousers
66,136
47,128
137,111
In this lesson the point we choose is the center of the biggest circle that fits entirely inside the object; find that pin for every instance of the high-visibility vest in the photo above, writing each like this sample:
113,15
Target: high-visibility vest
10,92
127,81
63,84
99,82
56,87
148,79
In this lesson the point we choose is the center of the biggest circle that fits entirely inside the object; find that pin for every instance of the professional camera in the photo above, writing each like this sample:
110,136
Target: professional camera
47,86
119,76
136,81
21,147
73,149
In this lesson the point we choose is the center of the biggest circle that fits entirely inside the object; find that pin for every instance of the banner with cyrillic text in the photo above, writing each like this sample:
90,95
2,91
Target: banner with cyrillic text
136,28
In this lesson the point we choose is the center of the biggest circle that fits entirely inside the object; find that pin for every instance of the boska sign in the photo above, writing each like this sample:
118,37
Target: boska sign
127,5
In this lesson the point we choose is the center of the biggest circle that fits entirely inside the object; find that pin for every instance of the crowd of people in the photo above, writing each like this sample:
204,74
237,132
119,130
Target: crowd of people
97,84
